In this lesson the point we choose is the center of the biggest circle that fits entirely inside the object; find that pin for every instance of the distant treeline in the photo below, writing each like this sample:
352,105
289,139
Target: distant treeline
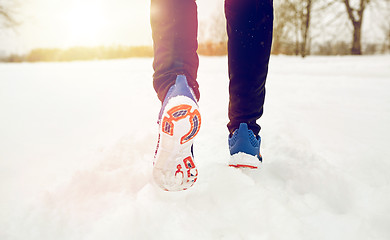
99,53
339,48
80,54
206,49
329,48
290,48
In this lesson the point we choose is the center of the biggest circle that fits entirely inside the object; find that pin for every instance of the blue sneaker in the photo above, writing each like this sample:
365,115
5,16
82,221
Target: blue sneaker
244,148
179,122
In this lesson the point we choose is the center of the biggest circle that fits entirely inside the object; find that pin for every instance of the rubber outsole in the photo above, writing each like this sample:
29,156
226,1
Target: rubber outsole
174,167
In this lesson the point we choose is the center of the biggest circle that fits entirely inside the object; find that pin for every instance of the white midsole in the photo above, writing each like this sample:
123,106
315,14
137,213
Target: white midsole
244,160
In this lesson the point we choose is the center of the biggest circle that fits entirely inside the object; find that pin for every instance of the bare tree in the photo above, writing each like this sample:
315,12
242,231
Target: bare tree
7,15
292,21
284,27
214,29
355,15
306,16
386,45
212,34
384,13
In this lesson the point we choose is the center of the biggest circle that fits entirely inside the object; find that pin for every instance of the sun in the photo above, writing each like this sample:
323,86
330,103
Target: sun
85,22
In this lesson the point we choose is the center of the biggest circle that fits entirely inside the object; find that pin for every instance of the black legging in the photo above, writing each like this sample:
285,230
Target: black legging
249,27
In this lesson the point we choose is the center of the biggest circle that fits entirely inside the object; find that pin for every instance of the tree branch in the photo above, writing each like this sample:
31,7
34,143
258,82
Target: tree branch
350,11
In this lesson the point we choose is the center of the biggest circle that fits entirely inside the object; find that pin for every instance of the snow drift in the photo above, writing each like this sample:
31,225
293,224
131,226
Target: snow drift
77,143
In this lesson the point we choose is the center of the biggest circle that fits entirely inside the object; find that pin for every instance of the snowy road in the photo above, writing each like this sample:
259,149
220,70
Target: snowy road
77,141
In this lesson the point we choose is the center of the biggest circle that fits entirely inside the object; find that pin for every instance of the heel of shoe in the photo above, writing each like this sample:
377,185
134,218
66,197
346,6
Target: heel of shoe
244,148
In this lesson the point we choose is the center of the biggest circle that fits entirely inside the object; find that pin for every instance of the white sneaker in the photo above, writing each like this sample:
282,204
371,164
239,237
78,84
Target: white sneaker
179,122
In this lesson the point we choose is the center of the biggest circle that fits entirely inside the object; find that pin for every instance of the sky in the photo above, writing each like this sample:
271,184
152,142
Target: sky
59,23
67,23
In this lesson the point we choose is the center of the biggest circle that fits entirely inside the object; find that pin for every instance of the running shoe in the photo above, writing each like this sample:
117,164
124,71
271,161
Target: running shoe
244,148
179,122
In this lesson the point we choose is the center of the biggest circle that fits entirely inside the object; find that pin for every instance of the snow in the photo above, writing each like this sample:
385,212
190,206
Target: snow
77,143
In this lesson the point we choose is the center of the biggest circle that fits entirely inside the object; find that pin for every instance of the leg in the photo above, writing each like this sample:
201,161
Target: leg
249,28
174,27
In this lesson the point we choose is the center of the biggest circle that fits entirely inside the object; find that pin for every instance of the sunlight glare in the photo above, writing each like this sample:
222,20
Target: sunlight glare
85,22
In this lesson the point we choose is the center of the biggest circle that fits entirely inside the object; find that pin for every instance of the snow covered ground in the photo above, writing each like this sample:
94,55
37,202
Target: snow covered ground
77,141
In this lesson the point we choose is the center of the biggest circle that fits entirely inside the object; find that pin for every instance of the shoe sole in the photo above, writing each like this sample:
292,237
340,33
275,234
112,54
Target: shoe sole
174,167
243,160
243,166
